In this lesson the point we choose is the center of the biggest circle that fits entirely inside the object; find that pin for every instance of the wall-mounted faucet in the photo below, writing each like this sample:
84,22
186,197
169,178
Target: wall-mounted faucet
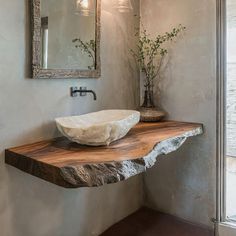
82,92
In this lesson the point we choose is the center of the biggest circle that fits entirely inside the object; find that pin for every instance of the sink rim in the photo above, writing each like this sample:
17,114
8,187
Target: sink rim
60,122
98,128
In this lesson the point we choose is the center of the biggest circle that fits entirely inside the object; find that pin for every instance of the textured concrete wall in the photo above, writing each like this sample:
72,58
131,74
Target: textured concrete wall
29,206
183,184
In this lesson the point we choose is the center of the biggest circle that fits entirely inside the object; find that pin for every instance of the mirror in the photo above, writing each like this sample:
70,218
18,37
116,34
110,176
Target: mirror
66,38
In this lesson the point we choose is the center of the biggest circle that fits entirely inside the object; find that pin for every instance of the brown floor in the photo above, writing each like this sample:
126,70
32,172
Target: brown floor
147,222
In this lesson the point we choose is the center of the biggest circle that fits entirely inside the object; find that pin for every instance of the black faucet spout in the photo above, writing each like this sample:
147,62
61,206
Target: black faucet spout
91,91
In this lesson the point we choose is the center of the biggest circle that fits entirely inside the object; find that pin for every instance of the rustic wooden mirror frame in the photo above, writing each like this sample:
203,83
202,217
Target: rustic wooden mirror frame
38,72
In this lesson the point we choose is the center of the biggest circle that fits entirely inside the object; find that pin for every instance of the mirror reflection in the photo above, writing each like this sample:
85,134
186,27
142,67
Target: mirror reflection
68,34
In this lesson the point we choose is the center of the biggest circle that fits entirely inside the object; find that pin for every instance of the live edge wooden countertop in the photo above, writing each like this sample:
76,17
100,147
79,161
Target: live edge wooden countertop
71,165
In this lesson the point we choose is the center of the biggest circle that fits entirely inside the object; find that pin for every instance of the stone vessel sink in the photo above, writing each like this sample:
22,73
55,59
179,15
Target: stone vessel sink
98,128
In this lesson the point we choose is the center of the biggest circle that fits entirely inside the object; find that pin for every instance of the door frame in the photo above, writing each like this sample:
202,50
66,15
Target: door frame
221,111
223,225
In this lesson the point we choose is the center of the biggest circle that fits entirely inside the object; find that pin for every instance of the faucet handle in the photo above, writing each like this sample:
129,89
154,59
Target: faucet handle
73,92
82,94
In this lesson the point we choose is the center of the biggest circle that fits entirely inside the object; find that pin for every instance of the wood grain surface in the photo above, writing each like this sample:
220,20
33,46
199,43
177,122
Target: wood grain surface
71,165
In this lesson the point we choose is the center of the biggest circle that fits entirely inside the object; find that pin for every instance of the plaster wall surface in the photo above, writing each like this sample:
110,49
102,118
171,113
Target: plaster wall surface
30,206
183,183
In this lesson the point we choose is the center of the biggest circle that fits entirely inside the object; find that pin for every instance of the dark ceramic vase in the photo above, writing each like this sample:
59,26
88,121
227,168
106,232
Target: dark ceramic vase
149,112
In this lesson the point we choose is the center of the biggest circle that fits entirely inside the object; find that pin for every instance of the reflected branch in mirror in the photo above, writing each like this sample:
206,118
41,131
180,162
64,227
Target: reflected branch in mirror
88,48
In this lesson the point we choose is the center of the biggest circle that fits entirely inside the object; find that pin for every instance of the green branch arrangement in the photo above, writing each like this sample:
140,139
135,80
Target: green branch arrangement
88,48
150,53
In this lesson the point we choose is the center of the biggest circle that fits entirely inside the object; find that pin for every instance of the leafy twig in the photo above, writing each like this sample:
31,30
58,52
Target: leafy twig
87,47
150,53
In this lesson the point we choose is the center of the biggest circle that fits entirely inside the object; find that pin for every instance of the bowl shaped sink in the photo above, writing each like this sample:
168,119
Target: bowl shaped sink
98,128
